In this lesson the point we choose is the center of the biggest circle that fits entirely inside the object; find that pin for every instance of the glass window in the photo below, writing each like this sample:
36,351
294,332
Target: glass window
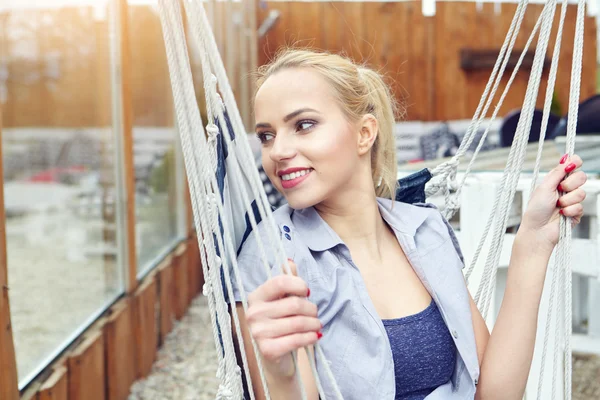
59,174
157,158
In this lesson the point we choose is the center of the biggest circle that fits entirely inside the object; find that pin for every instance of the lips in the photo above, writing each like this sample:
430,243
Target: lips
293,176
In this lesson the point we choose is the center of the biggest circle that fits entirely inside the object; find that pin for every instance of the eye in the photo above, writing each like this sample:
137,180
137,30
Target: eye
264,137
305,125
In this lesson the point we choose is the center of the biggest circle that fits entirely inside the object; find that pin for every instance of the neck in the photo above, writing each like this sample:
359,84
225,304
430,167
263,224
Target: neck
355,217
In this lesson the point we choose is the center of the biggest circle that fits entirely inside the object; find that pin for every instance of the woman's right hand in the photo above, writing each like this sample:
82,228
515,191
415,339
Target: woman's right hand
281,320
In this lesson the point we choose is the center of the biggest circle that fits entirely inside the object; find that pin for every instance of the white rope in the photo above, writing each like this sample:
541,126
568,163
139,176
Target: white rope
564,255
507,187
179,68
516,157
212,98
177,57
200,29
498,195
444,175
555,270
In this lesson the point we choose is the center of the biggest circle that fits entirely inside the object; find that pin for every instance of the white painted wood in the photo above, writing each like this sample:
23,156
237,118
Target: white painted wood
476,206
476,201
594,284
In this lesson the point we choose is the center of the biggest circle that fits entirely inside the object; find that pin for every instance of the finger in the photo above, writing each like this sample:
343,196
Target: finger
574,197
278,287
572,182
274,328
273,349
286,307
574,211
292,267
558,173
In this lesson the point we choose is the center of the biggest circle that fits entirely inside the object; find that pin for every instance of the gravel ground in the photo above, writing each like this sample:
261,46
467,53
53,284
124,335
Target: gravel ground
186,364
586,377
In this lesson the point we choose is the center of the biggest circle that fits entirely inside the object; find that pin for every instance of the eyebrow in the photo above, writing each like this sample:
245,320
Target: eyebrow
287,117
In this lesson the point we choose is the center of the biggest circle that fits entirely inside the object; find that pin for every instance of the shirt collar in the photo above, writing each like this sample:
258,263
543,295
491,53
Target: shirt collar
318,235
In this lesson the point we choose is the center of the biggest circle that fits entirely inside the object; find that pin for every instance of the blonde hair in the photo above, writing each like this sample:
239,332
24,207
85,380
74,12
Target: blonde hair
359,91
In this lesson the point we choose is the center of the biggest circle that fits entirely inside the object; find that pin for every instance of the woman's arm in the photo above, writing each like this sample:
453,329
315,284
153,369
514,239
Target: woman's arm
280,387
507,358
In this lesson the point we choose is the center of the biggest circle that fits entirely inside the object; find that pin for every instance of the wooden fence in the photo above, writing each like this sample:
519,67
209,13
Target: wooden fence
421,56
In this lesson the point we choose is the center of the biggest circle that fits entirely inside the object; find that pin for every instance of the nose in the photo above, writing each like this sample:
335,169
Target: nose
282,149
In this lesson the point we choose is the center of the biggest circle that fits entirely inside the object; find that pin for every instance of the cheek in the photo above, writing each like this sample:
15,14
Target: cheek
337,147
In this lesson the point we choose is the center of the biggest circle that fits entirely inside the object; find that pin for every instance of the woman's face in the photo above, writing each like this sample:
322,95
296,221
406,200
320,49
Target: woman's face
309,149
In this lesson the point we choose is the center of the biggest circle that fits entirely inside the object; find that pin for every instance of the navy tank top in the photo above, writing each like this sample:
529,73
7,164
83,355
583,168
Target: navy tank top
423,351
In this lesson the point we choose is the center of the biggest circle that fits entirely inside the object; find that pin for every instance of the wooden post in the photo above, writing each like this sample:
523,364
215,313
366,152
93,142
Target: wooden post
9,384
252,15
430,65
87,369
127,125
166,297
119,341
145,326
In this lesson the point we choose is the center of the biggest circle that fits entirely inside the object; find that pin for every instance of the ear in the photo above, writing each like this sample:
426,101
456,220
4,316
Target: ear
368,129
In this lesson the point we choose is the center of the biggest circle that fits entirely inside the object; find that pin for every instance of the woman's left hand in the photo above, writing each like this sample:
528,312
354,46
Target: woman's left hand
559,193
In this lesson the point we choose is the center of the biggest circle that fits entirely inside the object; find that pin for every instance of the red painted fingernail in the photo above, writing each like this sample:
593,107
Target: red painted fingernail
559,188
564,158
558,203
308,292
561,212
319,335
570,167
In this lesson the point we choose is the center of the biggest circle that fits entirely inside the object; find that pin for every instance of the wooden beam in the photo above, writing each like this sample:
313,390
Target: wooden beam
180,279
145,325
9,384
194,268
189,211
86,366
128,166
120,351
166,297
55,387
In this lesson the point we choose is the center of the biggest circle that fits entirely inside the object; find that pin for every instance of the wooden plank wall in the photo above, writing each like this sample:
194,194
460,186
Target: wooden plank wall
420,55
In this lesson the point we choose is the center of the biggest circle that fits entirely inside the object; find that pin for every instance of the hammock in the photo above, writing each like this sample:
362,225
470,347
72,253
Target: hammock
225,184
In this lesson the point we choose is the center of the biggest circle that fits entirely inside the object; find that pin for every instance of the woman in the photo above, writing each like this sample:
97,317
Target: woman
379,283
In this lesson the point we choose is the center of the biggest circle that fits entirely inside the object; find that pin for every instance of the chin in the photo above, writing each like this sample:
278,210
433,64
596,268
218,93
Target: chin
298,201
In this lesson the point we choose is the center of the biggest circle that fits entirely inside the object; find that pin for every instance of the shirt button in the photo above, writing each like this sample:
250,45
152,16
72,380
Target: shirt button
476,381
286,228
288,237
455,334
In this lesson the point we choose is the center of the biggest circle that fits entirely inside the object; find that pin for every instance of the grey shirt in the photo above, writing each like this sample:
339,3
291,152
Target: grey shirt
354,339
